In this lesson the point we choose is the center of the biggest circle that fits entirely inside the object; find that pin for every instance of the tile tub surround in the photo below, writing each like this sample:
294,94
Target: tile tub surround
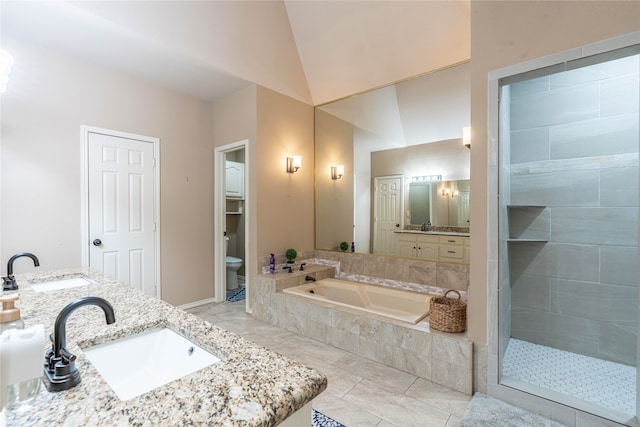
410,274
442,358
251,386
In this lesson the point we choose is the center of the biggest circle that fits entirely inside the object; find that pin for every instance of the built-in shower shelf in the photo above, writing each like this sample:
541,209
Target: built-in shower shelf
524,216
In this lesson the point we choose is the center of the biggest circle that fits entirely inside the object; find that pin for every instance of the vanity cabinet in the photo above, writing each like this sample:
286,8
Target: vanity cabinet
452,248
417,246
432,247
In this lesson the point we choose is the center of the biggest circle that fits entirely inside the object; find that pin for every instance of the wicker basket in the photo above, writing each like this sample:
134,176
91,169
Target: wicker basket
448,314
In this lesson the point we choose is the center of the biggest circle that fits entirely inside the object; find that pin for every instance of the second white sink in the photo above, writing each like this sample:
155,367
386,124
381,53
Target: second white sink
54,285
140,363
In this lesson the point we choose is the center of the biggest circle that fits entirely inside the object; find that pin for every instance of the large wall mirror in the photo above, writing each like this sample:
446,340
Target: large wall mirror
402,159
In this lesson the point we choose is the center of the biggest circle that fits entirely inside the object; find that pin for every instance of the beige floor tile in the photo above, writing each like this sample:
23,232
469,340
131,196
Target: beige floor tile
397,409
317,349
344,412
439,396
394,380
453,421
361,392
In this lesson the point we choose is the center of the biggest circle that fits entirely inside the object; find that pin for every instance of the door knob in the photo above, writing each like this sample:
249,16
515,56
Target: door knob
97,242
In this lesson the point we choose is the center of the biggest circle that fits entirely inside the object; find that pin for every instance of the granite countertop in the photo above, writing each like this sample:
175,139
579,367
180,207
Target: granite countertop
441,233
251,386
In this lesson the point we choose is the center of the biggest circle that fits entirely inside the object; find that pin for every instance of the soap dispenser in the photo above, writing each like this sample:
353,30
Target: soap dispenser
10,314
20,356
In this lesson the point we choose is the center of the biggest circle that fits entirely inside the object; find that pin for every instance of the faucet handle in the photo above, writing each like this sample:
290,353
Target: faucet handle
66,356
302,266
9,283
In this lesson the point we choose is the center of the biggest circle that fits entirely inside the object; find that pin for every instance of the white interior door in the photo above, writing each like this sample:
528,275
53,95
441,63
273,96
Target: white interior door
121,209
387,213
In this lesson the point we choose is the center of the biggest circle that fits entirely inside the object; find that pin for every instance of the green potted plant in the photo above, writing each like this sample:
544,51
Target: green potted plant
291,255
344,246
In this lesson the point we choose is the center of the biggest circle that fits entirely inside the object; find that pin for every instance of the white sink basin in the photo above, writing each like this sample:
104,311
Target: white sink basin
140,363
54,285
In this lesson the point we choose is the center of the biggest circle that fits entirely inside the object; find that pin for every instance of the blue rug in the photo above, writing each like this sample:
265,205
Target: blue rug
236,295
321,420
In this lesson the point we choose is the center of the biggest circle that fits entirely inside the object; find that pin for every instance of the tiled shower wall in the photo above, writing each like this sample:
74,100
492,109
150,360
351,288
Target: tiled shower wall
574,140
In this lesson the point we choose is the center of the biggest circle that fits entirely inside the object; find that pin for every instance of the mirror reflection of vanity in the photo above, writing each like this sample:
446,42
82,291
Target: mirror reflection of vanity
444,203
387,140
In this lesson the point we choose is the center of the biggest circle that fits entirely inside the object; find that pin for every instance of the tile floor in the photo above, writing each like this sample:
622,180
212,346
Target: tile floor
604,383
361,393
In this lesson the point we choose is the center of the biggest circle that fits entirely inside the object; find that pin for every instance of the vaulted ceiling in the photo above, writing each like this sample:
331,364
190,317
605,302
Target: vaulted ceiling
313,51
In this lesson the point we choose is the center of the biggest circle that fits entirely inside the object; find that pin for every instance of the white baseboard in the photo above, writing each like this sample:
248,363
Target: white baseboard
197,303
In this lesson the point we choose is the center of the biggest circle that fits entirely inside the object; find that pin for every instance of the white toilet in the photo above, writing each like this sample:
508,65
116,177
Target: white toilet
233,264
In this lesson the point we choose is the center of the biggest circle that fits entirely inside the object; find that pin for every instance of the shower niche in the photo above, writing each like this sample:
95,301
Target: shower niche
567,234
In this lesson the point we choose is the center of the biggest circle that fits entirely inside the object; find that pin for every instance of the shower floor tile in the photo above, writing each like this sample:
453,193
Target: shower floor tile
608,384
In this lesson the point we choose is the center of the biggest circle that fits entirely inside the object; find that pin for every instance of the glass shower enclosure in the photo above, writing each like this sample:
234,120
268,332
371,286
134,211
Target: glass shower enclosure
568,189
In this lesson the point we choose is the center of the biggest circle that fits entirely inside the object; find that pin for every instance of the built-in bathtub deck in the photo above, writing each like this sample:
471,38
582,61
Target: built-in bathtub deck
440,357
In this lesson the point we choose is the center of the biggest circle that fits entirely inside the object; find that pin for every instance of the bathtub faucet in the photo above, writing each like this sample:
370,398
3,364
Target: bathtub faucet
310,278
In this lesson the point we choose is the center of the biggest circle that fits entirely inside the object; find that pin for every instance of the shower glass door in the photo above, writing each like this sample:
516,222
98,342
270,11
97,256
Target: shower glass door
568,233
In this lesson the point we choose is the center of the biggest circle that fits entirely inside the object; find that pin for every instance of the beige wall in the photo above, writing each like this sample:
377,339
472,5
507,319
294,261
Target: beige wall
235,119
506,33
284,211
335,204
49,98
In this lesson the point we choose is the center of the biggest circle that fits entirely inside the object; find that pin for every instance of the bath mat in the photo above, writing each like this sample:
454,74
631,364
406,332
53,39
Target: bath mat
319,419
236,295
485,411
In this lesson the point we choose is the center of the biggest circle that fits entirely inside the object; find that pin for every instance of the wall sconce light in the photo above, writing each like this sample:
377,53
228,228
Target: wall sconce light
293,164
455,193
6,62
466,136
446,191
337,171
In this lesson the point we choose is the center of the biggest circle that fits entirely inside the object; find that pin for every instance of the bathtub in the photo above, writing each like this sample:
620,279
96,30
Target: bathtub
406,306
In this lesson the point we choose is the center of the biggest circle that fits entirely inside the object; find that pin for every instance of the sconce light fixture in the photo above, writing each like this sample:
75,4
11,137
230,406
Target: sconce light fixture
6,62
337,171
446,192
466,136
293,164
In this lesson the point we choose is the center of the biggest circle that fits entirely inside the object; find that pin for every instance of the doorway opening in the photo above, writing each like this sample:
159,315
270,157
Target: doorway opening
231,240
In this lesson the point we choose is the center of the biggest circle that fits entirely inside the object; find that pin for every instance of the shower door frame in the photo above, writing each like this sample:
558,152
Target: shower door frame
496,387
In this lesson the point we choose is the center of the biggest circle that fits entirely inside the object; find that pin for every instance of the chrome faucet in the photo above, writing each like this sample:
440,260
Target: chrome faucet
60,371
10,281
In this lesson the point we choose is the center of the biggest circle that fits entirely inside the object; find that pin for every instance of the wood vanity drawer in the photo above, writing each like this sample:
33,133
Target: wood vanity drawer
452,240
453,252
